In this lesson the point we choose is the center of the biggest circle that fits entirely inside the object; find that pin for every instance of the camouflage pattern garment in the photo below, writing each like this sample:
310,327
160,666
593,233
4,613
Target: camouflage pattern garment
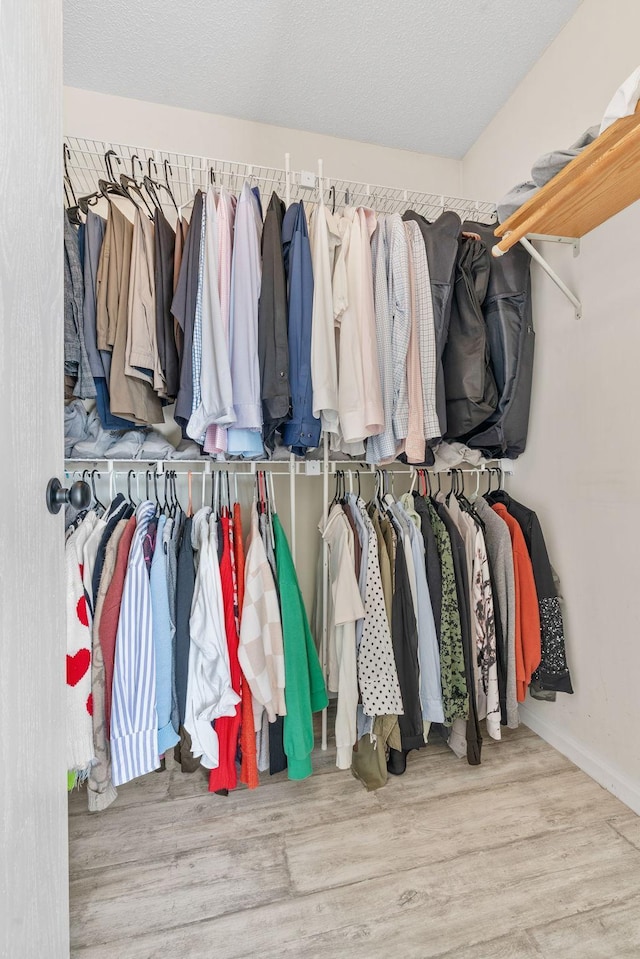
455,697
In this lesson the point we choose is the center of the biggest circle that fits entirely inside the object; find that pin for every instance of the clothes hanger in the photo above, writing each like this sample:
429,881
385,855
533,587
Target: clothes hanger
377,499
173,493
337,497
152,186
155,489
166,506
465,503
224,493
217,506
476,492
84,202
271,505
132,502
169,494
112,187
258,493
73,210
332,198
167,167
190,500
93,490
131,185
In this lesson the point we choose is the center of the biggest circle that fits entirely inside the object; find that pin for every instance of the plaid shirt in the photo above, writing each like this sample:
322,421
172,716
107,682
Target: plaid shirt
426,330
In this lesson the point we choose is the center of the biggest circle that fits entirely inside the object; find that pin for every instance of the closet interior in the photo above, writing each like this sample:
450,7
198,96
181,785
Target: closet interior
215,343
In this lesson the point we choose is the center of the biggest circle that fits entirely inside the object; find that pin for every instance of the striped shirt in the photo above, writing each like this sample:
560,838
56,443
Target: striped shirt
134,730
382,447
196,346
399,297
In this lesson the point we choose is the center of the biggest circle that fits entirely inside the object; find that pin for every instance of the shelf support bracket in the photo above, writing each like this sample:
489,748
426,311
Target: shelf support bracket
540,260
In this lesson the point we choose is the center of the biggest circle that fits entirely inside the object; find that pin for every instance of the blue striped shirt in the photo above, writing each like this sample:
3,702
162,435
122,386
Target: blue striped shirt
134,728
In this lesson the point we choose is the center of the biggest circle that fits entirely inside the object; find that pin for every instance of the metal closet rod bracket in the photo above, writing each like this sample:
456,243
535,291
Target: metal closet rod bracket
540,260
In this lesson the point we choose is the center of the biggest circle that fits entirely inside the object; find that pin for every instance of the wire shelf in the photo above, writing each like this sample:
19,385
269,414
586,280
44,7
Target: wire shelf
187,173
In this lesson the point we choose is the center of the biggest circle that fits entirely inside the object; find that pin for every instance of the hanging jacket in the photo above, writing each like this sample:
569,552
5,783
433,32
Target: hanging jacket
273,344
404,633
224,775
210,692
472,733
470,387
508,316
528,642
260,652
302,431
161,630
100,790
183,309
165,243
553,672
79,728
76,361
111,616
498,540
345,610
432,562
134,722
305,691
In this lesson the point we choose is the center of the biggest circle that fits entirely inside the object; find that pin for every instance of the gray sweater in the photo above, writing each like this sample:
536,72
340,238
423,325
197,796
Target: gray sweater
498,542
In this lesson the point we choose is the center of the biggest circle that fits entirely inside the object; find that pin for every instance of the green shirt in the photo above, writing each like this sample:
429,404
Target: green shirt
305,691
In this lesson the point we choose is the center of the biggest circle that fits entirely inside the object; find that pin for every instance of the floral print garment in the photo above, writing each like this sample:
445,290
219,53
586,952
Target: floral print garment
485,636
455,698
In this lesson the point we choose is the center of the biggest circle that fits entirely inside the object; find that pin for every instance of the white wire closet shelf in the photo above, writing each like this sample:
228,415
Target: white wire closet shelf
188,173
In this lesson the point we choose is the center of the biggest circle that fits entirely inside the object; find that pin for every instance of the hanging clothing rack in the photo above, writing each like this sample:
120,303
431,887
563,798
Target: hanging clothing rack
324,468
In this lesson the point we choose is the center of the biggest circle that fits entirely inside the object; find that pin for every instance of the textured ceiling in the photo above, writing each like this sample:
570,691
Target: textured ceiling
425,75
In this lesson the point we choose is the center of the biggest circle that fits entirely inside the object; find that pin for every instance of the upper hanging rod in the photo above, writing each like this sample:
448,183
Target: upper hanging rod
86,165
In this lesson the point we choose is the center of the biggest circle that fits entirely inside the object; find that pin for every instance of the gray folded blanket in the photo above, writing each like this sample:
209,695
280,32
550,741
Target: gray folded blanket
543,170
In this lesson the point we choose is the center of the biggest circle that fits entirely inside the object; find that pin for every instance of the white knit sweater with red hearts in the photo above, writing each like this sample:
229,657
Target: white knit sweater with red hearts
79,702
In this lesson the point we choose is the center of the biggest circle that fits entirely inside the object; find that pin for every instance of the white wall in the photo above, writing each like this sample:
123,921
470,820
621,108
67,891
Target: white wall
100,116
582,461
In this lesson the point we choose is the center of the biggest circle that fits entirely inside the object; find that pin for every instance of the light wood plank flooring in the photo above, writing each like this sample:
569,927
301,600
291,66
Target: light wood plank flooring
521,858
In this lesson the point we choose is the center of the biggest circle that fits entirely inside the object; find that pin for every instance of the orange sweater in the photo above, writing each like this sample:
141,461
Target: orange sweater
528,649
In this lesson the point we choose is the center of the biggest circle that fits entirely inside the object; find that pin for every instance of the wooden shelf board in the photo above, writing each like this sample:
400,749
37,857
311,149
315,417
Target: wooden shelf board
603,180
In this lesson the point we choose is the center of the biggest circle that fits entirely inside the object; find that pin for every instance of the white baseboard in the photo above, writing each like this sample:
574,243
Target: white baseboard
623,788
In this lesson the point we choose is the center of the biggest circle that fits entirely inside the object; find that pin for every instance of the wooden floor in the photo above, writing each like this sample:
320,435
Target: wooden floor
521,858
